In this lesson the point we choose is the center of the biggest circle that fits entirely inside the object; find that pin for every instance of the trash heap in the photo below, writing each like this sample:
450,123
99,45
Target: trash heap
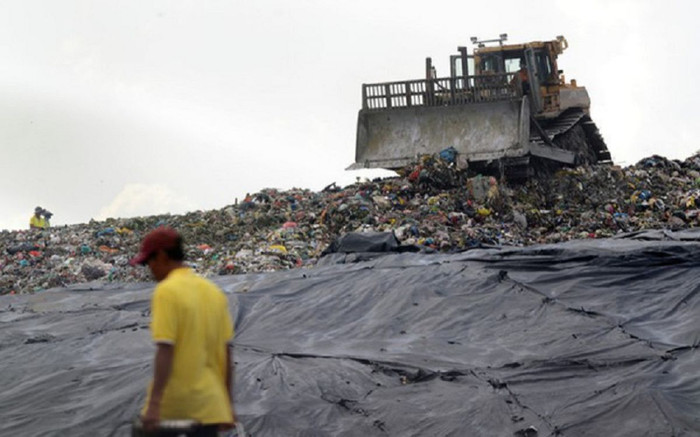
431,204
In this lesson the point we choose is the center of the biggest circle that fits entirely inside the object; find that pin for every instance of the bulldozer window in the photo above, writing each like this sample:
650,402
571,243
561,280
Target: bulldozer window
544,67
490,64
512,65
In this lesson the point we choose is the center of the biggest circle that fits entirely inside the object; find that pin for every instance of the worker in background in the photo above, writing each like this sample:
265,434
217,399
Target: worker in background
192,329
247,203
37,221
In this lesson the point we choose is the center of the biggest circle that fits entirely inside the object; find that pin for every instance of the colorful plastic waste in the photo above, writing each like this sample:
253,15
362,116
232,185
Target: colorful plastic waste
432,203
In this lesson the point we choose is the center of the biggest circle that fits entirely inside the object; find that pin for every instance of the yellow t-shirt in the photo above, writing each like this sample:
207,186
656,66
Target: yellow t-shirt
37,222
192,313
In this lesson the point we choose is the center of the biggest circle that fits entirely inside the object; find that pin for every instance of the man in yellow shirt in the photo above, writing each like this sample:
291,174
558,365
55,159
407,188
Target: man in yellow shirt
37,221
192,329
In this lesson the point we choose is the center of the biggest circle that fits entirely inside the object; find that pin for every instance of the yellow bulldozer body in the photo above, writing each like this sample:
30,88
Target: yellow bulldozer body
487,116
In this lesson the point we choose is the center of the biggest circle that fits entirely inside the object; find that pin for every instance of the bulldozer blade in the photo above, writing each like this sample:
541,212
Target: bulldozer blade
481,131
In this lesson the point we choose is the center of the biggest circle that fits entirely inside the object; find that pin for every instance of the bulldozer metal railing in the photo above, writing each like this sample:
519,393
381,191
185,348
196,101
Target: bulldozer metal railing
441,92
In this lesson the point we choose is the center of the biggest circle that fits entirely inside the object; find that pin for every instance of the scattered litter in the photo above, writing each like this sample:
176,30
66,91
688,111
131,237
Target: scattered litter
431,204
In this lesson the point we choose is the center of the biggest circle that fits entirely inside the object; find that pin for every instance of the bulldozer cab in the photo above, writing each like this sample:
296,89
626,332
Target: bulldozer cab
509,61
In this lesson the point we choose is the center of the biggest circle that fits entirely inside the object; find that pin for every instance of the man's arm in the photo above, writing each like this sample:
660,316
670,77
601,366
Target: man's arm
162,367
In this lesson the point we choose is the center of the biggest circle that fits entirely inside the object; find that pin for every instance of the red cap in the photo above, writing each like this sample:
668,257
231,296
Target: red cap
162,238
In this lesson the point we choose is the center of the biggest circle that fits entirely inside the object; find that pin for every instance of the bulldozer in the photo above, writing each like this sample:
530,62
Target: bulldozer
505,109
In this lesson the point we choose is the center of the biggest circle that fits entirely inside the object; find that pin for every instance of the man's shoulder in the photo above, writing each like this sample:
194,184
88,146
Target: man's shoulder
187,277
173,281
210,285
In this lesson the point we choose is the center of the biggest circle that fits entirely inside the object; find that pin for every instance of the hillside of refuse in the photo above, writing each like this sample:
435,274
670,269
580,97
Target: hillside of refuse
430,205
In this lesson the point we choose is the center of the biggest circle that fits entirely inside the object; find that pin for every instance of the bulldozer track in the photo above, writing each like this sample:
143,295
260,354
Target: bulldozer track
575,131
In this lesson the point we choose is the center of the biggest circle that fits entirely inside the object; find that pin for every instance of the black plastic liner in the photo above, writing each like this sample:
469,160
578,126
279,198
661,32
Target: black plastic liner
369,242
589,338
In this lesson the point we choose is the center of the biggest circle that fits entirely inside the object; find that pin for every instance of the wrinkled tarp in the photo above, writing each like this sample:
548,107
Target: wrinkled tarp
585,338
353,242
364,246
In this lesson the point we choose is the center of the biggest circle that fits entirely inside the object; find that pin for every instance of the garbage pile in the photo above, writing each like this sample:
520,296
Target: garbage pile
431,204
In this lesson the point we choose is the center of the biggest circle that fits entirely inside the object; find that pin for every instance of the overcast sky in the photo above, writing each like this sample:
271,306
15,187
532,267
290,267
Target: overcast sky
136,107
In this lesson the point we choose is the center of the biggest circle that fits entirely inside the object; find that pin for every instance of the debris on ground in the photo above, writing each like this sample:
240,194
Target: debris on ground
431,204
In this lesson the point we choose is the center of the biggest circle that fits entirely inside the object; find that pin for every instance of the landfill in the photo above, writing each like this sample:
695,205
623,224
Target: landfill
431,204
594,337
431,303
